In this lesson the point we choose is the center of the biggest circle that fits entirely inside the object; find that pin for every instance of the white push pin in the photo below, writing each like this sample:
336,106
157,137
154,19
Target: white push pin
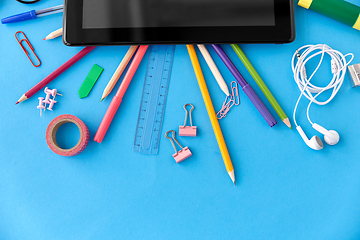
52,102
181,155
41,105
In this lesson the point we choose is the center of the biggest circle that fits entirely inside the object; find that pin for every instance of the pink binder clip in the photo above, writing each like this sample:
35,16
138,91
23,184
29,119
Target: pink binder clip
181,155
188,131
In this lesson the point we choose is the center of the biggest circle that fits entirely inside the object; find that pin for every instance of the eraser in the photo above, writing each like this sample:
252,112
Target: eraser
90,81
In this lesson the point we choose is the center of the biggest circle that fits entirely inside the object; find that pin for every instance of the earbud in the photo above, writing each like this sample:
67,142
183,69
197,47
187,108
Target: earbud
331,137
314,143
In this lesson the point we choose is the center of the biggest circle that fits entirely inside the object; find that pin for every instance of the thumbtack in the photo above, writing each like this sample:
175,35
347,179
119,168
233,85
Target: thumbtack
47,101
181,155
41,106
52,92
188,131
52,102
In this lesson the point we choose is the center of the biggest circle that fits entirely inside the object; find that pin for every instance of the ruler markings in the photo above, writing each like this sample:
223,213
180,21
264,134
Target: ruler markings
153,100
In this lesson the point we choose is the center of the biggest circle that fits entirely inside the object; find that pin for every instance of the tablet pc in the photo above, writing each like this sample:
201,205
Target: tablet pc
125,22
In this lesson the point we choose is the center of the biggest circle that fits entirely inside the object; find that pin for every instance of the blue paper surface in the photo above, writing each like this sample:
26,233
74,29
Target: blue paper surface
284,189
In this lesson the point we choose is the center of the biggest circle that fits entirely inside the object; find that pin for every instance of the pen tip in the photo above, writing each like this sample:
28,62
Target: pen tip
16,103
102,99
44,39
234,183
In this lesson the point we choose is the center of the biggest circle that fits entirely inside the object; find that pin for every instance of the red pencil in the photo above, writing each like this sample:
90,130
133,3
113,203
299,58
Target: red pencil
55,74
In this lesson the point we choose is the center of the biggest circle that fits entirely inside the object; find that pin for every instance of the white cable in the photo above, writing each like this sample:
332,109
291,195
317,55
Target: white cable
310,91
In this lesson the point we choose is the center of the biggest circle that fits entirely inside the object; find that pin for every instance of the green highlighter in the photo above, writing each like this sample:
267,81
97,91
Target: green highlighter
339,10
90,81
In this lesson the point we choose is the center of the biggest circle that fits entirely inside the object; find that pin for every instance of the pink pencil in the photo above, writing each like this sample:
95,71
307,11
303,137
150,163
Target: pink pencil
55,74
115,103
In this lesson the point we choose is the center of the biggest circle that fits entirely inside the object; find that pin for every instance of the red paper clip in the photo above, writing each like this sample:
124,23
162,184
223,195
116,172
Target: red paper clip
25,39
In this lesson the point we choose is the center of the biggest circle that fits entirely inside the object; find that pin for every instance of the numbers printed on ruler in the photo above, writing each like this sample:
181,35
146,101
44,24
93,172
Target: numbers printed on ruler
153,99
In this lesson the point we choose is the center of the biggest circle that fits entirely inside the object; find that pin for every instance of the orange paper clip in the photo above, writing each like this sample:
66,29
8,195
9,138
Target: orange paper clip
25,39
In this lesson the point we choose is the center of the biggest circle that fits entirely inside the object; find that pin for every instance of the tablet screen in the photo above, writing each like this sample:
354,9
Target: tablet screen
99,14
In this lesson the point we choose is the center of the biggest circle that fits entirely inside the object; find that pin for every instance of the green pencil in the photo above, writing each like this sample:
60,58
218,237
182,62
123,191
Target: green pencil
261,84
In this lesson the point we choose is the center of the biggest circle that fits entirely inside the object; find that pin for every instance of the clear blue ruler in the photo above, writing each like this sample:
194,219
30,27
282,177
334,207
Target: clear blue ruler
153,101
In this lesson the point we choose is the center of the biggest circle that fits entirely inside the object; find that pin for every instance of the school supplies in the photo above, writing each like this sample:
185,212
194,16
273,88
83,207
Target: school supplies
54,34
354,75
188,131
311,92
41,105
47,98
118,72
32,14
53,128
339,10
261,84
49,101
211,112
55,74
52,102
52,92
153,100
230,101
90,81
181,155
115,103
23,38
215,71
245,86
43,102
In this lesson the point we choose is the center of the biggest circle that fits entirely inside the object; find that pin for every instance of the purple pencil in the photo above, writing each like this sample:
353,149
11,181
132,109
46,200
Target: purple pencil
245,86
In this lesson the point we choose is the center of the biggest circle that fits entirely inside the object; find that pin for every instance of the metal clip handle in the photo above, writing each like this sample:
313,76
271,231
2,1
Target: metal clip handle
171,139
192,108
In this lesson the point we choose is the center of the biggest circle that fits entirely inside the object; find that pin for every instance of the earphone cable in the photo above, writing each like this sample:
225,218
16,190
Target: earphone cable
307,89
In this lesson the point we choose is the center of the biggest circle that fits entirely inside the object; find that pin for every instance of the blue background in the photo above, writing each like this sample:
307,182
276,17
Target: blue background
284,189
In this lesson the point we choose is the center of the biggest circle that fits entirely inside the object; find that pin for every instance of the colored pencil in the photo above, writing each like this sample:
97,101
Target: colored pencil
245,86
55,74
215,71
261,84
211,112
115,103
119,71
54,34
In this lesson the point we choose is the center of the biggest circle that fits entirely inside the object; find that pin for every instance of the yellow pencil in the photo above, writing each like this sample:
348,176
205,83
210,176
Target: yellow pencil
211,112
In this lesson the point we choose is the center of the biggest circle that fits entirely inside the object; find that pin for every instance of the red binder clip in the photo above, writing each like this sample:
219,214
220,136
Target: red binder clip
26,40
188,131
181,155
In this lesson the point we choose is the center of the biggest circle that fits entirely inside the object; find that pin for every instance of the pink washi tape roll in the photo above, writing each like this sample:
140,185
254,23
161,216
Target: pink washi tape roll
53,128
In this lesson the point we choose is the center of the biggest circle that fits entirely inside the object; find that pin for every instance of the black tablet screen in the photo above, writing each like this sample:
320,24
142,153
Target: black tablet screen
177,13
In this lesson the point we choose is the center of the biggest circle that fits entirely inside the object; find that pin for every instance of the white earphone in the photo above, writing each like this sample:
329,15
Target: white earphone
314,143
311,92
331,137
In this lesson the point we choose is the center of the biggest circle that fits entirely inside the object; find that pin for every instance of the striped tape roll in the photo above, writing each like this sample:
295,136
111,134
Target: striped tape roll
339,10
53,128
